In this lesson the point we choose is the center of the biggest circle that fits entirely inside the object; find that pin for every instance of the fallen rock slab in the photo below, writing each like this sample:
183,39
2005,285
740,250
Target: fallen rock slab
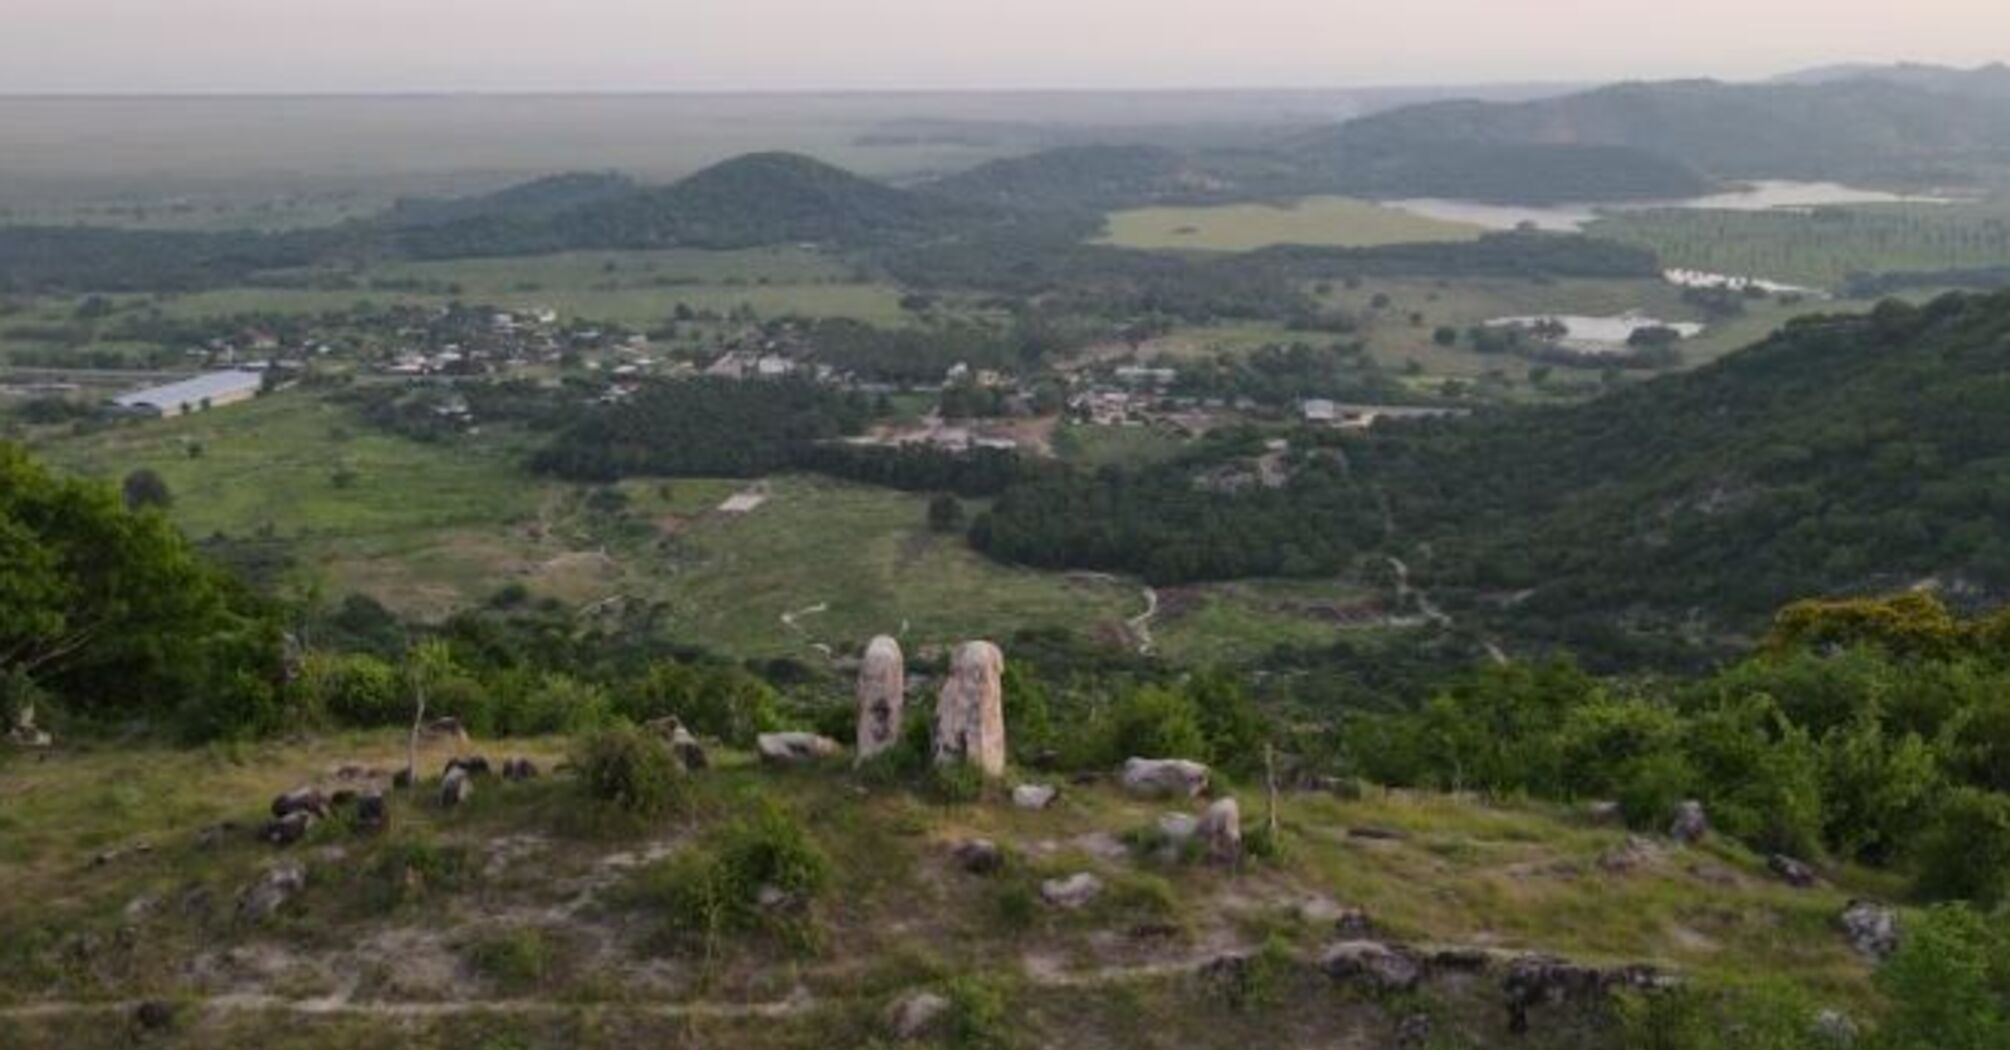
1165,777
1071,892
790,749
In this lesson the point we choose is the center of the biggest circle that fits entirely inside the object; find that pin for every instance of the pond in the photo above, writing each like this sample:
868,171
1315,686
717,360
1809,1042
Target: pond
1599,335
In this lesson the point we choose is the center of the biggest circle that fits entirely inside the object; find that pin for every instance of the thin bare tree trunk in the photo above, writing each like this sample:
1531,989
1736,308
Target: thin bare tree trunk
412,746
1270,786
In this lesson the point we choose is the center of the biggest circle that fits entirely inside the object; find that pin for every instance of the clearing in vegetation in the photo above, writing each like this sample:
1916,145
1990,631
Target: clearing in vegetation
1336,221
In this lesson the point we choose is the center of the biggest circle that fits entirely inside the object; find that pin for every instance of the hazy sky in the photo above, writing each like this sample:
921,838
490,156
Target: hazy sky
391,45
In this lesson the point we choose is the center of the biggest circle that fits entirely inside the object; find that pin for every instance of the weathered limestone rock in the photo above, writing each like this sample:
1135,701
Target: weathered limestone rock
474,765
1164,777
24,733
1072,892
1792,872
1691,823
787,749
1387,969
979,856
915,1015
882,693
1872,929
1533,980
1034,796
456,787
289,829
448,728
519,768
1605,812
300,800
1834,1028
970,711
263,899
685,746
1220,831
372,815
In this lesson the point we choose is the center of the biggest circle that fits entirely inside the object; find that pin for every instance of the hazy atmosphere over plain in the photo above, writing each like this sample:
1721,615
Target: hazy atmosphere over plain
119,46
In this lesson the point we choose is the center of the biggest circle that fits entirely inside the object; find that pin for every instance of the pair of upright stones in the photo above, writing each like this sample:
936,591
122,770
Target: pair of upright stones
969,712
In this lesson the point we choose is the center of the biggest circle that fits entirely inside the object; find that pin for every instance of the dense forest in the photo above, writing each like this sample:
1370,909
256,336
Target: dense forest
1843,454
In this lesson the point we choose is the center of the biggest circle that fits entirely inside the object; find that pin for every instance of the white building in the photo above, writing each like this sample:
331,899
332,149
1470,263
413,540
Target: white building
193,395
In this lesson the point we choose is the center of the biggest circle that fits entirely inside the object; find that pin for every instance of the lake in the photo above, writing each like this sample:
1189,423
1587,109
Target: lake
1599,335
1762,195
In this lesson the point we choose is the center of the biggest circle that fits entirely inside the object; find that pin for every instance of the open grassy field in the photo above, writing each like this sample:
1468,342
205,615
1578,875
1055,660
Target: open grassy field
1823,247
1338,221
525,916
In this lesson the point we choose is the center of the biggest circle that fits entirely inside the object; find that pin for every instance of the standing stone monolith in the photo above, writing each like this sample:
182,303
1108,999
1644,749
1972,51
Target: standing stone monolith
970,711
882,686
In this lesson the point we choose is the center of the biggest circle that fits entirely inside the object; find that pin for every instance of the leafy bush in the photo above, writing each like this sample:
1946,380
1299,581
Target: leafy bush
976,1016
1966,855
1763,1016
717,887
518,959
712,700
631,770
1150,722
1949,984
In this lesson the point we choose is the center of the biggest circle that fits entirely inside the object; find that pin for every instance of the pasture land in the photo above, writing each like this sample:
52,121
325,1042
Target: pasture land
1336,221
1823,247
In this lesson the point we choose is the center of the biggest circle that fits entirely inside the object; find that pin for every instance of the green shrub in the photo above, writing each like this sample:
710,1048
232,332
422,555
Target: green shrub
1948,984
711,700
351,689
976,1016
1767,1015
954,783
409,868
716,887
1151,722
518,959
1966,855
631,770
1652,786
551,703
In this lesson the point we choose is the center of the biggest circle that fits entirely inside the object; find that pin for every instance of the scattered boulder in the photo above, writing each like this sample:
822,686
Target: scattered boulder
116,854
401,780
970,710
1371,833
213,835
788,749
154,1015
1792,872
448,728
1220,831
473,765
342,799
1872,929
1605,811
1635,852
1353,924
289,829
456,787
978,856
1034,796
1387,969
519,768
1414,1030
263,899
683,745
1835,1028
1164,777
1461,959
372,814
1536,979
307,799
882,693
1690,824
1071,892
24,733
916,1015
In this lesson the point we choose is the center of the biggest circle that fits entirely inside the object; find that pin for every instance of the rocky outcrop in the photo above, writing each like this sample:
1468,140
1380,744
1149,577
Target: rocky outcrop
970,710
1872,929
1792,872
1384,968
1220,831
882,693
1071,892
289,829
791,749
1691,823
978,856
1164,777
308,800
373,816
1533,980
24,733
262,899
686,747
473,765
449,729
916,1015
456,787
519,768
1034,796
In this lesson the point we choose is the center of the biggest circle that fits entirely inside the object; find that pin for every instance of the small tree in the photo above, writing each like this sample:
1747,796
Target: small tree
945,513
144,488
426,665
